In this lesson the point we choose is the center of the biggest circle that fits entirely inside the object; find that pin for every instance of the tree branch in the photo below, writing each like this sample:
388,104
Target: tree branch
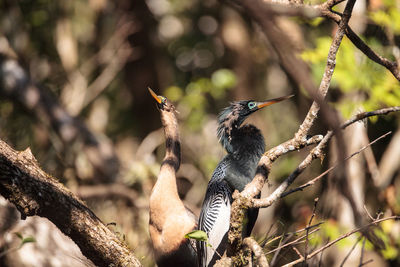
257,250
312,181
392,66
308,227
317,152
294,242
340,238
35,193
325,10
350,251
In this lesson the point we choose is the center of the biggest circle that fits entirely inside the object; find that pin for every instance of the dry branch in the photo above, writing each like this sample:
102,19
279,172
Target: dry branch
324,10
314,180
294,242
35,193
317,152
350,251
257,250
392,66
308,227
359,229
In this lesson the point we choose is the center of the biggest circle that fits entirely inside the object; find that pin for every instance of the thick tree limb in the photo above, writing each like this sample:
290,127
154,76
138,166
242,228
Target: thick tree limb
34,192
257,250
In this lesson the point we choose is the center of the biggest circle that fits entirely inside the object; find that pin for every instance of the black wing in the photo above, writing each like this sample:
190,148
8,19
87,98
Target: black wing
214,220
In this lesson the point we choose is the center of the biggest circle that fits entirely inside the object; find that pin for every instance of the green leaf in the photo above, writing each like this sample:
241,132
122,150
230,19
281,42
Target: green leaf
197,235
390,253
29,239
19,235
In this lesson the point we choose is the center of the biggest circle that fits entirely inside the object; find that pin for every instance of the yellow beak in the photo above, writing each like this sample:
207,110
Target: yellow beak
272,101
154,95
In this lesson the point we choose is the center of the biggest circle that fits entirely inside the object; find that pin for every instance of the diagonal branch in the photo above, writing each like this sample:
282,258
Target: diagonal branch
359,229
270,8
296,241
34,192
314,180
392,66
317,152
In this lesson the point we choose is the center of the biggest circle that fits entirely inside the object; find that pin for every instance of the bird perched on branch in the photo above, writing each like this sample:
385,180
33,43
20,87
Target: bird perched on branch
170,220
245,146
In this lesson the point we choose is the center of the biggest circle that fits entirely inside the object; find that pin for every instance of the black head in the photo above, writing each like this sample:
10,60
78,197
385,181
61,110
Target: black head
232,117
162,102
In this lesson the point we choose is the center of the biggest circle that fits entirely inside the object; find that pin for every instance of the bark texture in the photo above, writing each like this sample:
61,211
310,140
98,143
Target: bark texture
34,192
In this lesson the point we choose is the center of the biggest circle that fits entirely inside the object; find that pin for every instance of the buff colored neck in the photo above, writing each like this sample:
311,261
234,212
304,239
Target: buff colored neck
165,187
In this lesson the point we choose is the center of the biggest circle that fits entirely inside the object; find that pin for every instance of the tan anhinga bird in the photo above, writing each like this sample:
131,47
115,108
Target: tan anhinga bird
170,220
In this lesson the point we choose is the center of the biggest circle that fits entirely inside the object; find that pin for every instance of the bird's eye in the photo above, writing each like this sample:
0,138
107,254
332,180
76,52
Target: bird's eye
251,105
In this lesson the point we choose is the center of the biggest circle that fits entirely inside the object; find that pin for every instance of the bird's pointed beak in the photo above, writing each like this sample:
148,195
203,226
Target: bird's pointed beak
154,95
272,101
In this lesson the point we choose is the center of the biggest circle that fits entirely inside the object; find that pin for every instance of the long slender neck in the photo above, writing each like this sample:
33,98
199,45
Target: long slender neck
172,141
169,220
248,146
165,187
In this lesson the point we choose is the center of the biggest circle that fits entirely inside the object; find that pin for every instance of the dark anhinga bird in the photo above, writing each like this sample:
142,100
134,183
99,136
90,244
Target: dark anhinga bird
245,146
169,218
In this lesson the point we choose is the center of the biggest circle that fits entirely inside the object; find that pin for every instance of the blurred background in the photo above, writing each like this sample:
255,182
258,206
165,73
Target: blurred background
73,87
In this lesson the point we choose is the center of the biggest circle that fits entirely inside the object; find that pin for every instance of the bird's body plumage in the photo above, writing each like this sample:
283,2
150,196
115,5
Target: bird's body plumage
170,220
245,146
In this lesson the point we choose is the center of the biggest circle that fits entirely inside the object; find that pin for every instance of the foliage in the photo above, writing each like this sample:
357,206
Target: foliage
374,86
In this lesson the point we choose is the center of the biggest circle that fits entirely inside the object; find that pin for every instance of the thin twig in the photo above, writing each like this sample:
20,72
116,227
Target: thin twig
320,257
350,251
292,242
278,249
317,152
340,238
307,231
366,262
312,182
362,253
292,233
367,212
325,10
297,252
